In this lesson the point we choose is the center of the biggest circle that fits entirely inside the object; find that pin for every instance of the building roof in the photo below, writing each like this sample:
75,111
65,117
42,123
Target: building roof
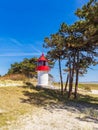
42,58
42,67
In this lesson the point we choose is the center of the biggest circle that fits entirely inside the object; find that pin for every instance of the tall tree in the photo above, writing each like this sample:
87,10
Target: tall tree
76,48
77,43
55,43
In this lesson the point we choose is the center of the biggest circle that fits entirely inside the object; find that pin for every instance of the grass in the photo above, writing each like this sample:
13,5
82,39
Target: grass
17,101
89,86
11,106
84,86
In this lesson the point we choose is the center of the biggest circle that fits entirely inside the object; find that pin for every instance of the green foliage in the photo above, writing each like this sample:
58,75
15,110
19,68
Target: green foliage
89,12
55,45
77,43
27,67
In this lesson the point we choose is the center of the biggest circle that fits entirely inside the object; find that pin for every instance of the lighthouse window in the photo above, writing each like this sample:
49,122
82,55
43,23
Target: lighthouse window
40,63
44,63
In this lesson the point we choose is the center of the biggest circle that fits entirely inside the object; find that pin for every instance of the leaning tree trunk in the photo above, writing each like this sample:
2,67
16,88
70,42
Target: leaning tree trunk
71,76
61,80
69,92
65,89
77,76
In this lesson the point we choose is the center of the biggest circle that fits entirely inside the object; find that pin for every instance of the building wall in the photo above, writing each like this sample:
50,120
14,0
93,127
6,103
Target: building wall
42,78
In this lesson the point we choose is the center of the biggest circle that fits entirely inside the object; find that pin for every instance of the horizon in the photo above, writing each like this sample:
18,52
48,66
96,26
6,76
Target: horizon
25,24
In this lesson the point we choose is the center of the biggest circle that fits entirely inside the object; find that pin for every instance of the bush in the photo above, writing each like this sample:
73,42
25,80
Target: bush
14,77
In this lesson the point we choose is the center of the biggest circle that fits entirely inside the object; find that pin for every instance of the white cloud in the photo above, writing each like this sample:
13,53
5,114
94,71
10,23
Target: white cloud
19,54
37,50
13,47
13,40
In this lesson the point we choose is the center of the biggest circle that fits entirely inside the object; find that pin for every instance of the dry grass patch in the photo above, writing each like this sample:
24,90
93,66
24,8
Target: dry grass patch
11,106
88,86
17,101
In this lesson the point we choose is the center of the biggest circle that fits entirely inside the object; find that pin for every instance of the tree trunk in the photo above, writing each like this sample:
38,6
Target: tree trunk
76,84
77,76
61,80
70,84
65,89
69,92
72,76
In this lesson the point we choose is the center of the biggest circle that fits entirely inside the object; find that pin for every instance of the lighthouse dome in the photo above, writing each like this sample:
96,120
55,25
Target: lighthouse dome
42,58
42,64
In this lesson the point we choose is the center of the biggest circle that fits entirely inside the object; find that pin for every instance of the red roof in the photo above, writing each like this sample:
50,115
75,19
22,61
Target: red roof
42,67
42,58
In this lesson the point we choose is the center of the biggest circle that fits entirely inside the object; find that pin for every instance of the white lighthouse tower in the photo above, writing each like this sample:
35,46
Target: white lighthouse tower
42,71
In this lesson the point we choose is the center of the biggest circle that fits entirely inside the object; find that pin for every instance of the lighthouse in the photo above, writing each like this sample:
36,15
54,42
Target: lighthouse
42,71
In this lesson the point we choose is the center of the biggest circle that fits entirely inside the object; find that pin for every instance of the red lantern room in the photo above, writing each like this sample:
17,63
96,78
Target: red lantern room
42,64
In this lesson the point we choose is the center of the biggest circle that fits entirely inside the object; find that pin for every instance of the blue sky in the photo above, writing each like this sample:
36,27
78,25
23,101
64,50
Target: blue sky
25,23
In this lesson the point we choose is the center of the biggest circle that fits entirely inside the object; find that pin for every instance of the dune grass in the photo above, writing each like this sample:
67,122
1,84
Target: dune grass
89,86
17,101
11,106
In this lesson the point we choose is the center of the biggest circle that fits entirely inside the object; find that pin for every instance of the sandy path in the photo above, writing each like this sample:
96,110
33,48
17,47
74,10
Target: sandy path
52,119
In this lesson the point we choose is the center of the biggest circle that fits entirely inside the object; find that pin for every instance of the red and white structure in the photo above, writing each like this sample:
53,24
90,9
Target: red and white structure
42,71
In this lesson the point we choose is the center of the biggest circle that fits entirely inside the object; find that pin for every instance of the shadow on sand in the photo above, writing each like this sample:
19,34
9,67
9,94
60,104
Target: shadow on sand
52,99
